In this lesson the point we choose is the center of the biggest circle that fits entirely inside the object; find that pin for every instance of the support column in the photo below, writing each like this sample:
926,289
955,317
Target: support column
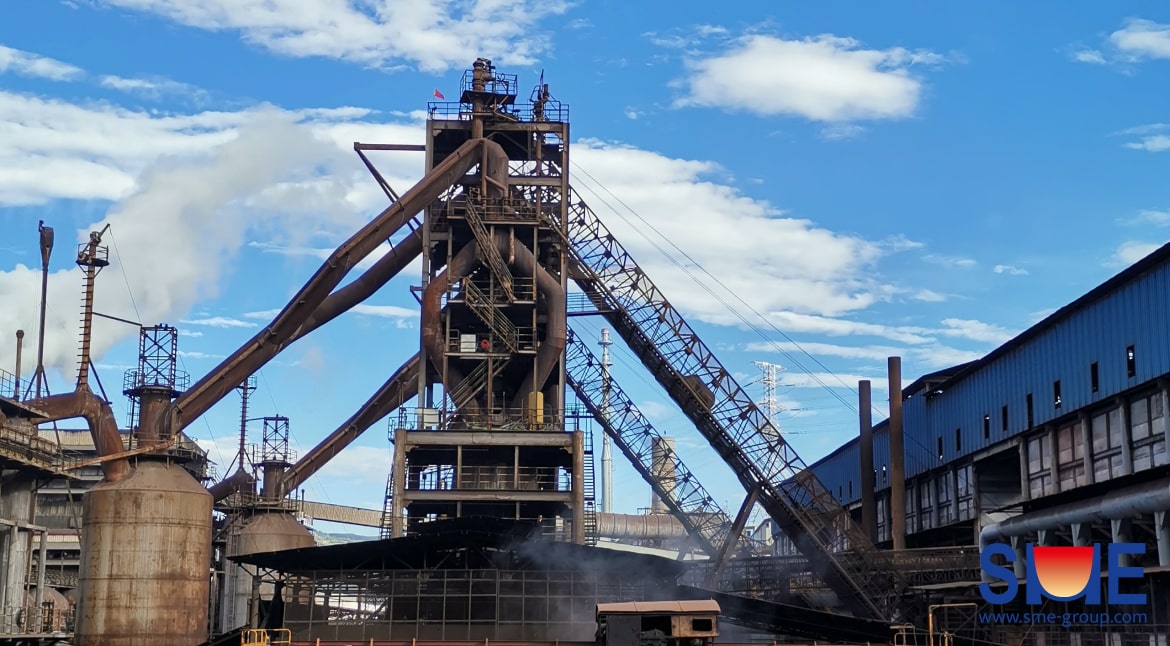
1082,534
725,551
1164,394
1053,452
1020,566
1025,481
398,478
42,556
1126,443
897,457
1122,533
1045,537
1162,532
865,444
1087,446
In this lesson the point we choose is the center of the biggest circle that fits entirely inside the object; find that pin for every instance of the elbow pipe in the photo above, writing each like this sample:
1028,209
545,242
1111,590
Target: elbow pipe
1123,503
103,426
433,340
496,164
553,343
236,482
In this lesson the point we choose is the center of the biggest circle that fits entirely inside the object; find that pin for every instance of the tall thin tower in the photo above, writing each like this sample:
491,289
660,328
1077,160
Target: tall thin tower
606,444
770,403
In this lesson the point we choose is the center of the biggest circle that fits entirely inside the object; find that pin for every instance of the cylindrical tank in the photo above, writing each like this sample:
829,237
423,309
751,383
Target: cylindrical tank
270,531
145,554
643,526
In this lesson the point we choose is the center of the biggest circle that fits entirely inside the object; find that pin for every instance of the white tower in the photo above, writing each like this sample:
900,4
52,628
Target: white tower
770,403
606,448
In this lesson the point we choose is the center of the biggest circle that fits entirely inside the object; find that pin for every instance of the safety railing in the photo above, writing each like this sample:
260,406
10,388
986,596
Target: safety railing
487,478
9,387
48,620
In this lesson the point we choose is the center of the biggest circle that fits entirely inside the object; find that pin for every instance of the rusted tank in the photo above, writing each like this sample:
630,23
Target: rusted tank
145,553
265,531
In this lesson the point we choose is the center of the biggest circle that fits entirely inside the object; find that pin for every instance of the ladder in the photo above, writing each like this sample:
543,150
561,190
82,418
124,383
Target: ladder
589,513
482,307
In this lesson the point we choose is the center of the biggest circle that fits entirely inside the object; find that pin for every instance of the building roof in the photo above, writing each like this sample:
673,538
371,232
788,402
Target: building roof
467,543
650,607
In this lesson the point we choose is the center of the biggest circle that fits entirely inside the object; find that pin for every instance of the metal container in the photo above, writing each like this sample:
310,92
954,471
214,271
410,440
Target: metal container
269,531
145,558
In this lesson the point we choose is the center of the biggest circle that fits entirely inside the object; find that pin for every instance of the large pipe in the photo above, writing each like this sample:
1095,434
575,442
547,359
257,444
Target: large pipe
1129,502
897,457
238,481
46,252
865,444
103,426
19,351
433,341
552,346
639,526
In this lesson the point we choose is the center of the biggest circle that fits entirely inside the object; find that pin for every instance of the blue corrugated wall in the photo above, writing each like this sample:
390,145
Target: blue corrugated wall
1135,313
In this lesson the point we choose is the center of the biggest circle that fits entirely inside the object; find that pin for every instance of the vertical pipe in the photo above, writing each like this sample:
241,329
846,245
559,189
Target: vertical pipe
578,487
42,556
398,484
19,351
46,252
867,484
897,457
606,443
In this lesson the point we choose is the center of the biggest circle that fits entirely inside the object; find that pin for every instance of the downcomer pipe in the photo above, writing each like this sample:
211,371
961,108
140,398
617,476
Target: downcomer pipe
553,343
1123,503
432,325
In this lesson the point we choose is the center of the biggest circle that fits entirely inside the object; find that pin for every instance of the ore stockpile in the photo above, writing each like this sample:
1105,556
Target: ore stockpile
491,528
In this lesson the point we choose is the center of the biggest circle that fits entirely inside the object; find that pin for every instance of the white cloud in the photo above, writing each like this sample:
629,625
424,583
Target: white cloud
1150,143
200,355
840,131
1150,216
929,296
816,349
219,322
1128,253
1010,270
1138,40
823,78
153,88
632,114
950,261
805,268
434,35
28,64
976,331
1142,39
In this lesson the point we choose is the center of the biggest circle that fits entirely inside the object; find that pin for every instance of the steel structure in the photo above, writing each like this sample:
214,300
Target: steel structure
736,428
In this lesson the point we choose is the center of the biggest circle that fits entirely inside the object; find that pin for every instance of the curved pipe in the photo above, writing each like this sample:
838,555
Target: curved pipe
432,325
103,426
553,343
238,481
496,163
1123,503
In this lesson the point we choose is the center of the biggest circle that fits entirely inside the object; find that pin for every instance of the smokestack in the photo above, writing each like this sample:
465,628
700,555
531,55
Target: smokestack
606,443
897,457
662,467
19,351
46,252
868,486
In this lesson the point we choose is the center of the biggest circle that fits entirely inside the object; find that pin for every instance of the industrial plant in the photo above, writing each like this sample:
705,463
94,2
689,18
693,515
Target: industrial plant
930,527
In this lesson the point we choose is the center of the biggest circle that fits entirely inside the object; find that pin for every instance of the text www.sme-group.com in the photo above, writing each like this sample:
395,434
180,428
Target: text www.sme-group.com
1064,619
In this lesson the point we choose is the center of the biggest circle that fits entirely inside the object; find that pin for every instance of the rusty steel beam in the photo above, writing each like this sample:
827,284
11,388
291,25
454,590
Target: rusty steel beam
283,329
736,529
400,387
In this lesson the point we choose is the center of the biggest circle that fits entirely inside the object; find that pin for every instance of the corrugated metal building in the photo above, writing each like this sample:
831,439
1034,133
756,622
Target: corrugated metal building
1071,408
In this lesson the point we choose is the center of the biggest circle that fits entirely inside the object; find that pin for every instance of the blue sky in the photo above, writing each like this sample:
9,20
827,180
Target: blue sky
893,179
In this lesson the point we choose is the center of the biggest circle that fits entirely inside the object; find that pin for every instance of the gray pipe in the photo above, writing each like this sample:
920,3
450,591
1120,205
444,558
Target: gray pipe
1123,503
645,526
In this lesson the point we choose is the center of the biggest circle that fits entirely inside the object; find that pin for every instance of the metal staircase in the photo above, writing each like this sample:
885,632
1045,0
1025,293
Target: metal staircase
476,380
482,306
589,514
726,415
387,530
485,249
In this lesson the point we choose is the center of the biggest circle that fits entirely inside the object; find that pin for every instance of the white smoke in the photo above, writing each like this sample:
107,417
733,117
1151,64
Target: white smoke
175,236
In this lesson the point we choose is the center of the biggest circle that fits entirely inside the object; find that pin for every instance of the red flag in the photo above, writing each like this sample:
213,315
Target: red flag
439,95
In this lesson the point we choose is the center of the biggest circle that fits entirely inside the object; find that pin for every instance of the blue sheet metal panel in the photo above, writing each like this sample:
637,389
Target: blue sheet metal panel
881,455
1135,314
840,469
